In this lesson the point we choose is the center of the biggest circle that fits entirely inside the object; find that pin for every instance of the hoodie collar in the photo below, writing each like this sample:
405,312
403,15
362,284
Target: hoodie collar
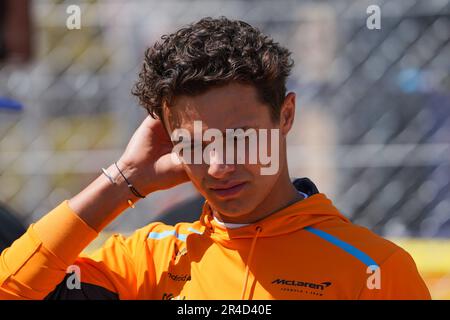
312,210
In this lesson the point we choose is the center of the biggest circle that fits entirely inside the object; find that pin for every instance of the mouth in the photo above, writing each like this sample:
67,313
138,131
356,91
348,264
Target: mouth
229,190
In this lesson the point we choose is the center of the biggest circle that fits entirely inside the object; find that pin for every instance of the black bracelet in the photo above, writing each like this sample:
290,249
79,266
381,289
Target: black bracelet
132,188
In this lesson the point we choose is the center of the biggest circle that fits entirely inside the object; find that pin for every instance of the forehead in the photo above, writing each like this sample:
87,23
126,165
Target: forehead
230,106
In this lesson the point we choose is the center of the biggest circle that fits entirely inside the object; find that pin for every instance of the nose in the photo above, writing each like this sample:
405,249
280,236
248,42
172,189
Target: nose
217,168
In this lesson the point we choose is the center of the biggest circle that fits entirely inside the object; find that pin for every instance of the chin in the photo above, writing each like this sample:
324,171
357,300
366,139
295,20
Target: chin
233,208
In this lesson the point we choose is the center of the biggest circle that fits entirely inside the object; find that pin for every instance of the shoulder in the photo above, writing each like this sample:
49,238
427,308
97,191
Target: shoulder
359,242
158,231
398,275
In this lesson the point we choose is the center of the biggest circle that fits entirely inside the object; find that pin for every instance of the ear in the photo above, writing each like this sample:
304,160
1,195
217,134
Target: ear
287,113
166,117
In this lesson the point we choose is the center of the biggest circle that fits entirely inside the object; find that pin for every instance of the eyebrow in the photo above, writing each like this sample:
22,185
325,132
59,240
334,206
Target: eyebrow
244,128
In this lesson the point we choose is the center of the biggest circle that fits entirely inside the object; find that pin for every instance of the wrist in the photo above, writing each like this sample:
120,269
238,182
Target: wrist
103,200
130,186
137,175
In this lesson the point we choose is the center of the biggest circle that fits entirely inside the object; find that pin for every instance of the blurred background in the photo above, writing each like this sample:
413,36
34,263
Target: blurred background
372,128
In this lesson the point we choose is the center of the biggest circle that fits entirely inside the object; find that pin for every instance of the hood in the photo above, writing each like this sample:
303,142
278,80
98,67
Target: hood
312,210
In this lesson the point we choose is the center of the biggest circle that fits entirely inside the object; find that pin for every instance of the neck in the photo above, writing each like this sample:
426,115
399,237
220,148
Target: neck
282,195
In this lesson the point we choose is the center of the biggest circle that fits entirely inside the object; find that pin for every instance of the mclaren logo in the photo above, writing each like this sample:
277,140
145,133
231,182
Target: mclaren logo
311,285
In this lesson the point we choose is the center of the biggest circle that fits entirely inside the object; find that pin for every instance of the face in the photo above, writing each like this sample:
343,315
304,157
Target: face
232,189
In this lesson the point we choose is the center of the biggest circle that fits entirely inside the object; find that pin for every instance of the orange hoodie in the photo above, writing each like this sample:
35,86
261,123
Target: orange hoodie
305,251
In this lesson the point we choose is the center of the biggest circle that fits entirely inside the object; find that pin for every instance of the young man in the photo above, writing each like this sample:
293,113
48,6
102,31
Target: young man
259,235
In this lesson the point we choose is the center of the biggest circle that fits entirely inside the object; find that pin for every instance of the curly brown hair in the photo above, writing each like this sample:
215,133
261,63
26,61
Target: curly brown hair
211,53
